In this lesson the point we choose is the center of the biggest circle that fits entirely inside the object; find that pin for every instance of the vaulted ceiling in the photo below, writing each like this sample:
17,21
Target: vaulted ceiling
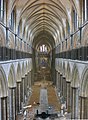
45,16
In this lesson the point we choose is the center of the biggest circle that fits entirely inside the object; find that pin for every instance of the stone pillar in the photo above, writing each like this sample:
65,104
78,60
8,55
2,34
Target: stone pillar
75,103
26,84
30,82
18,96
83,108
28,79
61,84
64,87
22,90
3,108
68,99
59,80
12,103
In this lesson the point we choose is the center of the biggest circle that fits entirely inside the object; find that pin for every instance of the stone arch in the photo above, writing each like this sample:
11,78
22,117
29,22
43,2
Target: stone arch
11,41
26,66
23,69
76,40
18,75
3,83
2,37
58,65
68,72
63,68
75,77
84,84
11,77
85,36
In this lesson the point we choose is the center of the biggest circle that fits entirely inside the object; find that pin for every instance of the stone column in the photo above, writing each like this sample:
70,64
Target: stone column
26,85
68,100
12,103
3,109
75,103
64,87
30,82
18,96
22,90
28,79
59,80
61,84
83,108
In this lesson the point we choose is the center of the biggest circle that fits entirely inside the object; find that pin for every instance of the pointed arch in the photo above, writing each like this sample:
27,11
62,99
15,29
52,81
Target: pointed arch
75,77
2,37
18,74
84,83
11,77
68,72
23,71
11,42
3,83
26,67
63,68
60,65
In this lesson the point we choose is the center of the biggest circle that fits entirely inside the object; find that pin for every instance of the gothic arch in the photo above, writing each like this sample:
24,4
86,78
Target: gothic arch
3,83
75,77
18,74
85,35
84,84
26,66
11,77
2,37
68,72
63,68
11,41
23,69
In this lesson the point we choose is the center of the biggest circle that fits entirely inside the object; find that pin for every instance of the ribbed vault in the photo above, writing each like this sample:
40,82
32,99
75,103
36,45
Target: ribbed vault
48,16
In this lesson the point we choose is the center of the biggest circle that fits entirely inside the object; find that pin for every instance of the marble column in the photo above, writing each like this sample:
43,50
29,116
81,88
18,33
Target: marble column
74,103
64,87
12,103
68,99
83,108
3,108
18,96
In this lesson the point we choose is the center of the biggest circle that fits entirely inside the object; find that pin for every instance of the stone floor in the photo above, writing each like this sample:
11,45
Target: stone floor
49,91
35,98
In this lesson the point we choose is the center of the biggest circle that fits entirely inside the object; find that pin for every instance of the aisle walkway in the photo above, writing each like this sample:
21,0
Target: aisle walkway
43,100
44,93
